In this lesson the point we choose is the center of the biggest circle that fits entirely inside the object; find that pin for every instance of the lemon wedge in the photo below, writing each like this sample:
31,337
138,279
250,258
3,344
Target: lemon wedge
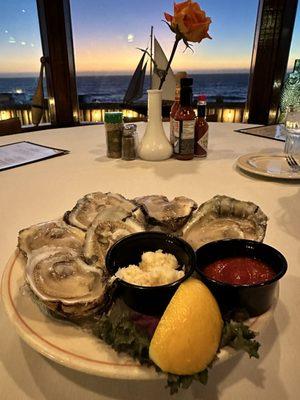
188,335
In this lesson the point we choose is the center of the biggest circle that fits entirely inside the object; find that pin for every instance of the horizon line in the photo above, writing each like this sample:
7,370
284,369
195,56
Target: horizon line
121,73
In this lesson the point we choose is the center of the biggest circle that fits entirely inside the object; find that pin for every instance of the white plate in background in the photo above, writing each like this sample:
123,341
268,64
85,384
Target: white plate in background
270,165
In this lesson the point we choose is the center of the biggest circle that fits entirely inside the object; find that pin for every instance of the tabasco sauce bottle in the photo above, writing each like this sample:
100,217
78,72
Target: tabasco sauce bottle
184,123
201,129
175,105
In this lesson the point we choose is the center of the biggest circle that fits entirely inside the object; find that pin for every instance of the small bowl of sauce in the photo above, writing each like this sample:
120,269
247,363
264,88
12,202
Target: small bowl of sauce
242,274
239,271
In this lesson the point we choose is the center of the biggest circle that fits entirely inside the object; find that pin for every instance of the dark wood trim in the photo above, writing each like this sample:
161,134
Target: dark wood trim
273,36
57,43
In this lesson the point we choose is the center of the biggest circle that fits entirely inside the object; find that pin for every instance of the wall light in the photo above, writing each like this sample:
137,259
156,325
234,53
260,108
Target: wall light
228,115
96,116
4,114
130,114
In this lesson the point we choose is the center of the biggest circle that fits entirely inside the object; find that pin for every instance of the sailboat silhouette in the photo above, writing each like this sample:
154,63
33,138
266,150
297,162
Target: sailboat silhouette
158,62
37,106
136,84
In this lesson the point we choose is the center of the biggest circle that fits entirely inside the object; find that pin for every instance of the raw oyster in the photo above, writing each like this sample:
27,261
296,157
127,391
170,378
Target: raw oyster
86,209
52,233
111,224
64,283
171,215
224,217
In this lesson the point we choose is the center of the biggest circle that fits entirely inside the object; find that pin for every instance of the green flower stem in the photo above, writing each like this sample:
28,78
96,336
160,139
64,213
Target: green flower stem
163,78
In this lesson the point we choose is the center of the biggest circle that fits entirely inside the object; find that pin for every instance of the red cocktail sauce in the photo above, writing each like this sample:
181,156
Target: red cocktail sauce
239,271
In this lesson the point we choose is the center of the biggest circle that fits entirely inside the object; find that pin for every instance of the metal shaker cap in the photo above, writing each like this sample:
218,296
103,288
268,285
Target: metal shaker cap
129,129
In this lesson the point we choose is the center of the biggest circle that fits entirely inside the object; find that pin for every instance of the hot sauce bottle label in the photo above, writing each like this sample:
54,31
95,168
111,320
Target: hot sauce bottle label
188,129
176,126
184,136
203,141
172,131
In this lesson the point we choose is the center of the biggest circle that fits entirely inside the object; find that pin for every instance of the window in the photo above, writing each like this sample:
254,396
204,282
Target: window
295,45
107,34
21,50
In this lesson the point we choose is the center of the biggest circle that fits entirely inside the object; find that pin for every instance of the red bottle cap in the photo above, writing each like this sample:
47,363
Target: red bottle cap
202,97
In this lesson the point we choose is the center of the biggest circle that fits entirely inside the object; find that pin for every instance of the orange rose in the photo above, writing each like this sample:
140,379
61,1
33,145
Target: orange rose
189,21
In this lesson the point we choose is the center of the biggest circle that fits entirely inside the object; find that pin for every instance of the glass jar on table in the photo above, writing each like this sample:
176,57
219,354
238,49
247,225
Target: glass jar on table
114,130
292,126
129,142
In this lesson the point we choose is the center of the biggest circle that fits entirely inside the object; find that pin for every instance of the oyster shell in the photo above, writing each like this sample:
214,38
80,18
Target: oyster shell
52,233
111,224
171,215
86,209
225,217
64,283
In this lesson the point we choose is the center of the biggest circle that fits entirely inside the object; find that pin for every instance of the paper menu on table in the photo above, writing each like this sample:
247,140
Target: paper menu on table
21,153
276,132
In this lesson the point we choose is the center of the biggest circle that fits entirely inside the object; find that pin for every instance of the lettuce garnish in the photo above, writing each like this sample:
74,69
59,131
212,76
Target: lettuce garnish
123,331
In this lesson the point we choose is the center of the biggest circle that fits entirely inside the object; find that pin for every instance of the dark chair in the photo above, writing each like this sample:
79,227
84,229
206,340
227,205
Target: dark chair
10,126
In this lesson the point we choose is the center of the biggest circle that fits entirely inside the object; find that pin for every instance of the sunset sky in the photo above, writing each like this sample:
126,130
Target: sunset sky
106,34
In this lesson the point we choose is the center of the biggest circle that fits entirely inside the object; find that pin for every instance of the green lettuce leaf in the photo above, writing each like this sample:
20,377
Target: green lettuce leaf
238,336
118,329
175,382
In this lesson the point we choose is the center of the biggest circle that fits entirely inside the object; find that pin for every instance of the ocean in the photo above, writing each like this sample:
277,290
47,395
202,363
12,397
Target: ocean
232,87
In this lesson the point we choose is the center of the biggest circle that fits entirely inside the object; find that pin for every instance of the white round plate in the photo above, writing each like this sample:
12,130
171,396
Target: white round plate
70,346
270,165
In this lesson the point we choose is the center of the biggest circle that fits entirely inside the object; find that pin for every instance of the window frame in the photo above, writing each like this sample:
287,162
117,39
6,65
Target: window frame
57,44
271,47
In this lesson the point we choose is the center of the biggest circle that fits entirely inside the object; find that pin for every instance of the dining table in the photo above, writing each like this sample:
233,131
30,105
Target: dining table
44,190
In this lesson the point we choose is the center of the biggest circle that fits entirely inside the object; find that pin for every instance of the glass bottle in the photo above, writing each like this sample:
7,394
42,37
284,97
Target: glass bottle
201,128
290,95
292,126
184,123
175,105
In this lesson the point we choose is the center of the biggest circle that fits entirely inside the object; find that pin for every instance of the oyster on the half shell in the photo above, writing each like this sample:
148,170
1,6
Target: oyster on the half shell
52,233
224,217
86,209
170,215
64,283
111,224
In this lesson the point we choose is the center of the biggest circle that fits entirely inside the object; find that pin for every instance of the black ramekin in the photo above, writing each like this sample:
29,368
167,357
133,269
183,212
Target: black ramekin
149,300
255,299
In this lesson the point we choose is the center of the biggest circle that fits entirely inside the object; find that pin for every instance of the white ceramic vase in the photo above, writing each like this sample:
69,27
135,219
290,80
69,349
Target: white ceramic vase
154,145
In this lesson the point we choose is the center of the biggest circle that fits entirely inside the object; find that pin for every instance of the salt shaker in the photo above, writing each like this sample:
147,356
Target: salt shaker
129,142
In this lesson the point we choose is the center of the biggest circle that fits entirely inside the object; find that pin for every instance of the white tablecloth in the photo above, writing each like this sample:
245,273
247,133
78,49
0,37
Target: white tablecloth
44,190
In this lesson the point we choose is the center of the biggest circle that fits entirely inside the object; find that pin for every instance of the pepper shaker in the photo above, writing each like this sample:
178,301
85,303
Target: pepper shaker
129,142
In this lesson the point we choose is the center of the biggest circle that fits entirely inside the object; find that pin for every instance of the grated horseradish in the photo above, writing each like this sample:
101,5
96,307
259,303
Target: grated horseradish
155,269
